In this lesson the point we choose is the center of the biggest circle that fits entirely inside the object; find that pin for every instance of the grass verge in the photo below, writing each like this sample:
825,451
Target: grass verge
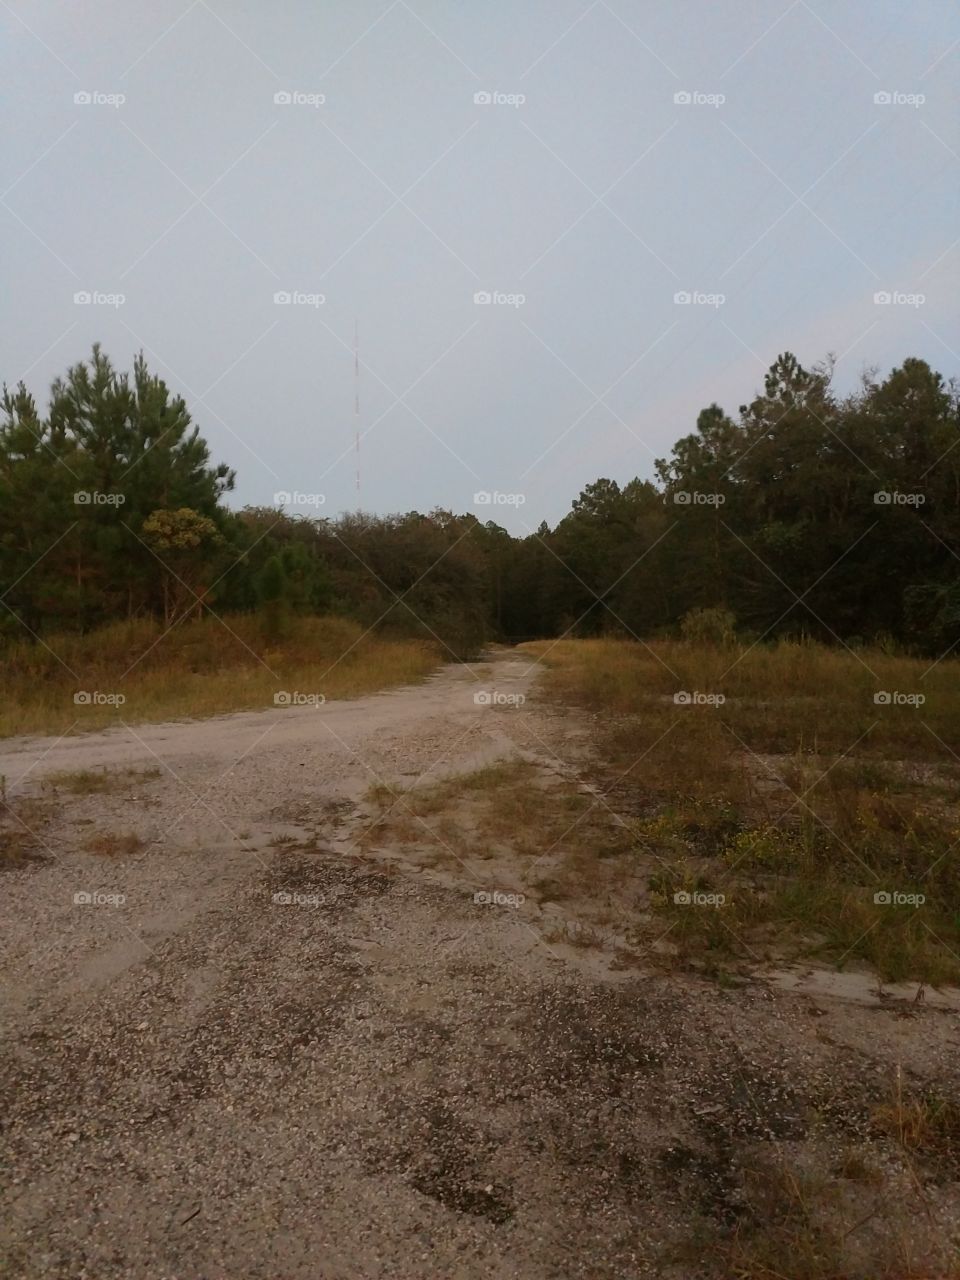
135,671
791,801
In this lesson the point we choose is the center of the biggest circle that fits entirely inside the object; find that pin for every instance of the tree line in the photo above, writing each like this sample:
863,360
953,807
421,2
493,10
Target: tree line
809,513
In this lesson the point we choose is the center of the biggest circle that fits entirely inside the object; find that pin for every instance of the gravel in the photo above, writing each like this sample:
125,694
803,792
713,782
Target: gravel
370,1075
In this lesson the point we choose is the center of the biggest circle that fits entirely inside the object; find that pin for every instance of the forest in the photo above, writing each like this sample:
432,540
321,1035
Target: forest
807,514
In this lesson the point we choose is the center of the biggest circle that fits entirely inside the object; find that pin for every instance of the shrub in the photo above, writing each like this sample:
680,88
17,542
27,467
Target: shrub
715,628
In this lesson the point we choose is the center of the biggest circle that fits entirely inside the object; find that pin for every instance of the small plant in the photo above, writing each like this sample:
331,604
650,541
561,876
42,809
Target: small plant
574,933
855,1166
712,628
112,844
922,1123
765,848
84,782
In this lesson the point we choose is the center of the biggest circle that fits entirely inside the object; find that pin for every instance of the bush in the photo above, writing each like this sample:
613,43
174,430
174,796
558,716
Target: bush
715,628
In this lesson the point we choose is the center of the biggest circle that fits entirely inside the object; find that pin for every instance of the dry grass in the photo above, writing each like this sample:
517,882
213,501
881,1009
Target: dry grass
510,803
23,822
797,1223
778,696
114,844
86,782
799,798
575,933
205,667
923,1124
479,811
514,826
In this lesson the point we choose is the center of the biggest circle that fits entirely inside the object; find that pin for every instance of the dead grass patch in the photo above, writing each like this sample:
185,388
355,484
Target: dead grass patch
23,823
114,844
825,819
517,825
923,1123
85,782
204,667
797,1223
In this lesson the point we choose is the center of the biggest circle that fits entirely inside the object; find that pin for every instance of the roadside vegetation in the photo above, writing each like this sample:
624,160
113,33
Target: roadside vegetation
810,512
23,821
787,801
512,827
139,670
742,806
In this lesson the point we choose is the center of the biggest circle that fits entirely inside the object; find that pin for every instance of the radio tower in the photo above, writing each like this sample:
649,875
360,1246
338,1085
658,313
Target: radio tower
356,401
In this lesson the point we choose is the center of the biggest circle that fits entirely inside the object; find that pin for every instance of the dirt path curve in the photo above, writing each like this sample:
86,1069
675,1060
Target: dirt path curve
376,1078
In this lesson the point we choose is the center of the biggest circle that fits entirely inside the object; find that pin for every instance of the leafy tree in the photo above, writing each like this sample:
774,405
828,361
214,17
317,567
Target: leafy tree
183,543
77,486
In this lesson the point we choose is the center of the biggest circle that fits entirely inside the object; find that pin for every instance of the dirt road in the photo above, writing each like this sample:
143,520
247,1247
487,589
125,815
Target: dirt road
248,1052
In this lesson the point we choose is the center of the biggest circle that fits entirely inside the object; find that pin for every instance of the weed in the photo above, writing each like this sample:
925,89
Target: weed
112,844
96,782
923,1124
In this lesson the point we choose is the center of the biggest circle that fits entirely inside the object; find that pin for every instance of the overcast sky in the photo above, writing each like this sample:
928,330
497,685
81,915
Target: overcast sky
581,194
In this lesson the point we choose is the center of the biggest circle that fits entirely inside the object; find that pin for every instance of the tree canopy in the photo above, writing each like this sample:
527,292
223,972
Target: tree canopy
806,513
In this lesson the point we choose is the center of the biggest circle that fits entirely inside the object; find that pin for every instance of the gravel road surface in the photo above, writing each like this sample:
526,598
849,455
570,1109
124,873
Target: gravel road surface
255,1055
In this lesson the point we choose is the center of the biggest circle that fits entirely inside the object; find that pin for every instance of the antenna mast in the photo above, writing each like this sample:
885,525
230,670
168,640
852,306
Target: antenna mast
356,400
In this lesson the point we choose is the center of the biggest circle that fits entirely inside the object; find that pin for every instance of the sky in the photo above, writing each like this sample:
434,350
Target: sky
559,228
